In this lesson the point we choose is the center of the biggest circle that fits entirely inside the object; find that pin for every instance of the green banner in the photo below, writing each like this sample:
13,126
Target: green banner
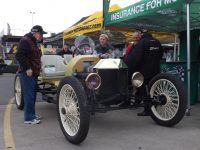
142,8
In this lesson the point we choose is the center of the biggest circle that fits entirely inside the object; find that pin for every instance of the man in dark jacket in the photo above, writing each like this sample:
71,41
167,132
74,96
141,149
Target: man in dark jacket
145,58
29,59
65,50
104,49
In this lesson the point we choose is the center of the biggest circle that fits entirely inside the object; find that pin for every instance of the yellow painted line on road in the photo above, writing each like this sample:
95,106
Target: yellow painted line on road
8,136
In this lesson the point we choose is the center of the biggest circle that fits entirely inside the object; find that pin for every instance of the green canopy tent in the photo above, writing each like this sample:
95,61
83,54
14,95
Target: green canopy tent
158,15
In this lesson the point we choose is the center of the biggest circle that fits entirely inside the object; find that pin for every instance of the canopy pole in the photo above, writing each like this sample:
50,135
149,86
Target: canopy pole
175,50
103,17
106,5
188,60
178,45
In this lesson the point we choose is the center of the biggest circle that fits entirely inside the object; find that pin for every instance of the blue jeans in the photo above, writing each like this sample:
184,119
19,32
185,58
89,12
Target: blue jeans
29,85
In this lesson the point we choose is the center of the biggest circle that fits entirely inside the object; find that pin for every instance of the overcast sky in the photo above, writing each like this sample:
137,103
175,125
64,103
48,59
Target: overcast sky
53,15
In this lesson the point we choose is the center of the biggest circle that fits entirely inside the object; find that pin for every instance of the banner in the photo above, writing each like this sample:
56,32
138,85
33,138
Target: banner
91,24
142,8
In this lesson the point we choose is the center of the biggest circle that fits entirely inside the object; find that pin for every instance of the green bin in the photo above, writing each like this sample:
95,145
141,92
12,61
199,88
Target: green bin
179,69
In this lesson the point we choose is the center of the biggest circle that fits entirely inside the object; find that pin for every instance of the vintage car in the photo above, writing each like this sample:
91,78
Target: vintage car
86,84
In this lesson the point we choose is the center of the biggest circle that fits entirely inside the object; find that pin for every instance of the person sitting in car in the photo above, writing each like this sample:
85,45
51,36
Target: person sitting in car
104,49
65,50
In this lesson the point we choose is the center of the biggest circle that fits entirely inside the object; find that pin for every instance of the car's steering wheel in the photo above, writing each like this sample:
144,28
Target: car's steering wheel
84,45
82,49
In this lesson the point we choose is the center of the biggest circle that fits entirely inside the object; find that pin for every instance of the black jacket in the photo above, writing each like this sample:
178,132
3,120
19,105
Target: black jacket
28,55
102,50
145,57
63,52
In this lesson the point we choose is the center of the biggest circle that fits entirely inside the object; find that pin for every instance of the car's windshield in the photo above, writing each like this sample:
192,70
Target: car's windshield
84,44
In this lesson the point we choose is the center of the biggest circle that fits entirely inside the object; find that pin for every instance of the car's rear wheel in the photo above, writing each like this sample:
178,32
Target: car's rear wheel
170,91
18,92
72,109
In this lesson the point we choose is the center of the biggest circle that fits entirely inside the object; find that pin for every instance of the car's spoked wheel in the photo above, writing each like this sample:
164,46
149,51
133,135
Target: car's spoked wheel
69,110
72,110
18,92
170,93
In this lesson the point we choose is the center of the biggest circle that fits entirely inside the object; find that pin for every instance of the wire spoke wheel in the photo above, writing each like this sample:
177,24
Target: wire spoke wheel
73,113
169,109
171,94
18,92
69,110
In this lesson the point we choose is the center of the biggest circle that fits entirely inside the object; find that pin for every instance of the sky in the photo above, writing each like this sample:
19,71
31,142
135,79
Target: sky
53,15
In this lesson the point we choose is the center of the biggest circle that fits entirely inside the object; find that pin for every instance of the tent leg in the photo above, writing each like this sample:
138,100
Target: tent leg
188,60
188,110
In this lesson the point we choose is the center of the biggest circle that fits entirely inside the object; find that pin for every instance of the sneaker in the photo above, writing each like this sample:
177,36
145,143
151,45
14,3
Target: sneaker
34,121
38,117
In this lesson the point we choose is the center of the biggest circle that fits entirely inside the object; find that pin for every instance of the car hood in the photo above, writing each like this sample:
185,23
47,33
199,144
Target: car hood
110,64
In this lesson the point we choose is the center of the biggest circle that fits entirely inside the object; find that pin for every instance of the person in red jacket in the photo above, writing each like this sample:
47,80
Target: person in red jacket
136,38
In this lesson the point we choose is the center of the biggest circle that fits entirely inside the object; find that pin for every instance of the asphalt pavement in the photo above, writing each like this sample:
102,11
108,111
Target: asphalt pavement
6,88
115,130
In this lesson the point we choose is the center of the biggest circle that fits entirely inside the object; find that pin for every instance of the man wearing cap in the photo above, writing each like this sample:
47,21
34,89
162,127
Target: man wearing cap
145,58
29,59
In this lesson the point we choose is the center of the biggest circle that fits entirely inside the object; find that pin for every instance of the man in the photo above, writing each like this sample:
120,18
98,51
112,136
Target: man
136,38
29,58
104,49
66,50
145,58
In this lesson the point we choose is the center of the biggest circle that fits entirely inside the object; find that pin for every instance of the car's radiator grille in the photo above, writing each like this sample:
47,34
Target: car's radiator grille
113,82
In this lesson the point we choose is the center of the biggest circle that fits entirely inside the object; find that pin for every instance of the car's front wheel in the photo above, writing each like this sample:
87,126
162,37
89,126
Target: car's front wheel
72,109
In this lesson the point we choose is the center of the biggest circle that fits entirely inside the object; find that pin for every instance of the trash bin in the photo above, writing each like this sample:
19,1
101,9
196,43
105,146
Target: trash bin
179,69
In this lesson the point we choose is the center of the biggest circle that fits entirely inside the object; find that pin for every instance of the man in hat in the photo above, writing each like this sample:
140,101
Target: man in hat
145,58
29,59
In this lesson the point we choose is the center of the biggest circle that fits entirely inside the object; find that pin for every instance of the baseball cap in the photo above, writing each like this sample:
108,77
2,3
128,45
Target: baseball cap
38,28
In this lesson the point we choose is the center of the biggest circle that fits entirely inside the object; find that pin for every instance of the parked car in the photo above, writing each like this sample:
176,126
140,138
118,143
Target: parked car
86,84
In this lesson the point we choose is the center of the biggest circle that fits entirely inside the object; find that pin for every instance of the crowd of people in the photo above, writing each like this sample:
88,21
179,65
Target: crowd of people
143,54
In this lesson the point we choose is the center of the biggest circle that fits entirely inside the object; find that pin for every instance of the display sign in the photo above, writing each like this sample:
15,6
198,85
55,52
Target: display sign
142,8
